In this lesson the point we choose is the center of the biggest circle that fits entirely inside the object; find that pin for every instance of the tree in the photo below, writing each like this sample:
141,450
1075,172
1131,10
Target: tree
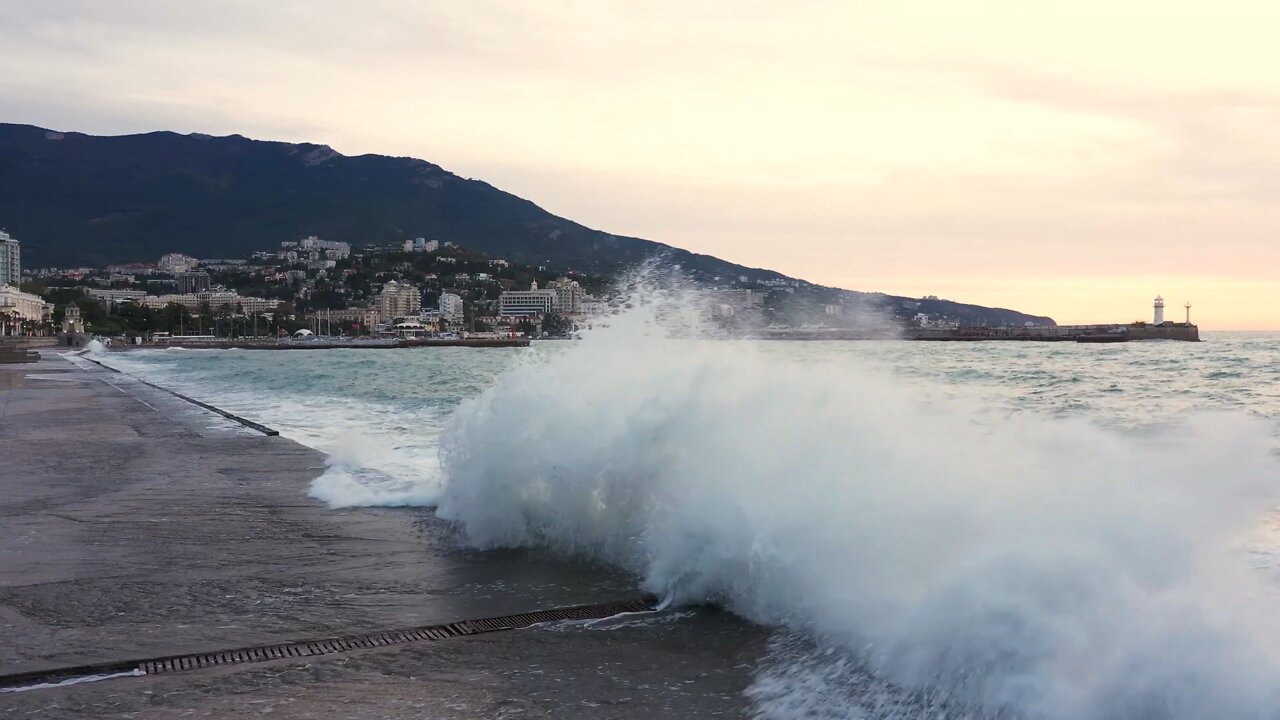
556,325
35,287
93,314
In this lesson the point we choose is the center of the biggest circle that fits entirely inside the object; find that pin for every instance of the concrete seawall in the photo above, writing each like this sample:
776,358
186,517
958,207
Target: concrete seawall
138,525
1061,333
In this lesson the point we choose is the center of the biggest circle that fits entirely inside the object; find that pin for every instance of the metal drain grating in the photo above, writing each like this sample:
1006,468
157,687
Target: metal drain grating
324,646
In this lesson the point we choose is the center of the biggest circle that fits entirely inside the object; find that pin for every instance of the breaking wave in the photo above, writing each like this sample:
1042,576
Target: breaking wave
997,565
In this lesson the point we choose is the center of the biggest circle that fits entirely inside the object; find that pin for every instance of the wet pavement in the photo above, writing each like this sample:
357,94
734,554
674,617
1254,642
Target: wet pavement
135,525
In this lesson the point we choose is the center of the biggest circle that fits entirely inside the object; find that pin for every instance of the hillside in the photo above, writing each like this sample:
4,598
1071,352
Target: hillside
75,199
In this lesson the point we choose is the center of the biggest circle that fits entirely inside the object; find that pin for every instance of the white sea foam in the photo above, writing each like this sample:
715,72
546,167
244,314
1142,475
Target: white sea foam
1035,567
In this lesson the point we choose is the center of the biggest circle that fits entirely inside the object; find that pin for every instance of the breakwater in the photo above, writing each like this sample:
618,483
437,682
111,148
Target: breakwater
1061,333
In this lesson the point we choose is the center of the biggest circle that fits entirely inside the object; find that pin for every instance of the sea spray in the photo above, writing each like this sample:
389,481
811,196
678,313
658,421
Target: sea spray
1030,567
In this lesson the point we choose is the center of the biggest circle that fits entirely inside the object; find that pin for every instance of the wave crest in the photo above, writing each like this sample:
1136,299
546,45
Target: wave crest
1039,567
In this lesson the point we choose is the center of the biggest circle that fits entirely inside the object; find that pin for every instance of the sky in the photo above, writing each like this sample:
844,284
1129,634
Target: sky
1069,159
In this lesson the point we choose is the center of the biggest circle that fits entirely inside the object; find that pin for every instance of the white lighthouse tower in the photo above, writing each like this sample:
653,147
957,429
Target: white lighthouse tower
1159,310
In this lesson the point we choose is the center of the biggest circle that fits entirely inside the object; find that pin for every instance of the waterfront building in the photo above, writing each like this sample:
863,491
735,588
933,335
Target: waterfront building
193,282
451,307
398,300
10,260
20,311
527,302
174,263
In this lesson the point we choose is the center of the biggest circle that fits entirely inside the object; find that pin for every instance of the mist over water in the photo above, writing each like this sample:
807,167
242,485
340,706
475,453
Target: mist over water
950,530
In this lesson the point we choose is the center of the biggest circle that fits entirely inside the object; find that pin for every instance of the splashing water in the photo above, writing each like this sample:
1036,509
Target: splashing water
1012,567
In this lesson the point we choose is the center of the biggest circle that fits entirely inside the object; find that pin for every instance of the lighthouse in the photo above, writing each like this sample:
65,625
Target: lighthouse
1159,310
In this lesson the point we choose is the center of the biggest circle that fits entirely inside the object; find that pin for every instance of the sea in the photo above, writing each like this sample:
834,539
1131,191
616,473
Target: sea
988,529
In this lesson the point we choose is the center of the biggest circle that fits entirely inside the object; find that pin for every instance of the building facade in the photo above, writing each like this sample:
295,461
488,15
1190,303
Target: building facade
568,295
10,260
215,300
175,263
21,313
398,301
331,249
193,282
451,307
527,302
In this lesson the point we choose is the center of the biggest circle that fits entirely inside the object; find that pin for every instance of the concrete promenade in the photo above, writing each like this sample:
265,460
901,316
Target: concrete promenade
134,524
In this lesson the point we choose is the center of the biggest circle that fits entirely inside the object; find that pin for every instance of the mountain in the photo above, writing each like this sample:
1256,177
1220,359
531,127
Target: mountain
76,199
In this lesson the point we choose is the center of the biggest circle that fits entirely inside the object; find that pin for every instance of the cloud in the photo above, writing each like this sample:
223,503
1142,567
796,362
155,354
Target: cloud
987,141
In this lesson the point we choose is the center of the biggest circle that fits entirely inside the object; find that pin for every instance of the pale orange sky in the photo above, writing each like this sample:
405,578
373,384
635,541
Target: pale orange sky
1069,159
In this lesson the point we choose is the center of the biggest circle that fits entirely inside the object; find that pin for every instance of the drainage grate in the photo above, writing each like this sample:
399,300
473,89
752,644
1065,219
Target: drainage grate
323,646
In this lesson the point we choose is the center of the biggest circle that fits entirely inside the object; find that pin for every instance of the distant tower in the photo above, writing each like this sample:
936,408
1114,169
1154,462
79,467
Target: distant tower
1159,310
1188,307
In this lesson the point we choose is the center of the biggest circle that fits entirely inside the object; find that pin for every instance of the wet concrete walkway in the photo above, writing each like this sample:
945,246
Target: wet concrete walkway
135,524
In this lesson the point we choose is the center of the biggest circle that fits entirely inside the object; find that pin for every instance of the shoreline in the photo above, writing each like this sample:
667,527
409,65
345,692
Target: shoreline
324,345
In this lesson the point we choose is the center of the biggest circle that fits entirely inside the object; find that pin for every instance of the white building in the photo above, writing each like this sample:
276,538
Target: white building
215,300
10,260
451,307
397,300
408,246
331,248
431,246
1159,308
17,307
527,302
593,306
175,263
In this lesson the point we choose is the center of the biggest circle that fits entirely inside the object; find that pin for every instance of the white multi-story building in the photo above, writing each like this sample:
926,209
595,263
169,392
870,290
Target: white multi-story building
339,250
593,306
397,300
114,297
215,300
10,260
527,302
175,263
568,295
431,246
451,307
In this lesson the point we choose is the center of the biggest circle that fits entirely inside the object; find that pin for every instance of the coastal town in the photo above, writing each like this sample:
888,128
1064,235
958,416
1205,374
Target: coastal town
305,288
311,288
313,292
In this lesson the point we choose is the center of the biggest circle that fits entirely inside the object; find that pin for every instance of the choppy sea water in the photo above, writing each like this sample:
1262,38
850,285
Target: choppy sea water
935,529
